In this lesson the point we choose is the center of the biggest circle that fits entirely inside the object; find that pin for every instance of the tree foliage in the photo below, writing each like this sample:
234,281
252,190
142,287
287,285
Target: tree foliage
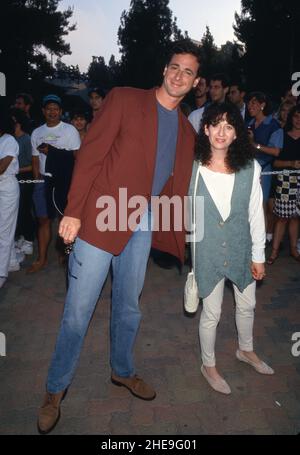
145,34
270,32
225,59
31,28
102,75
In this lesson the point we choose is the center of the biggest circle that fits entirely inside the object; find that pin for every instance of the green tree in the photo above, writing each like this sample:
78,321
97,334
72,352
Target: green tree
145,34
229,60
269,30
32,27
209,54
226,59
115,71
99,73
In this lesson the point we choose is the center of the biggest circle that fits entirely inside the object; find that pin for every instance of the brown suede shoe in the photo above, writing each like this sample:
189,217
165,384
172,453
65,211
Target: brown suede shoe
135,385
49,413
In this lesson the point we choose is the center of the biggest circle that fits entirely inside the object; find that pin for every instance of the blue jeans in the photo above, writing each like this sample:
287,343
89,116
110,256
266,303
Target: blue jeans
88,269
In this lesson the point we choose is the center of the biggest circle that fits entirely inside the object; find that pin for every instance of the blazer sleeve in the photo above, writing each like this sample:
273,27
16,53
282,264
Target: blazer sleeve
96,145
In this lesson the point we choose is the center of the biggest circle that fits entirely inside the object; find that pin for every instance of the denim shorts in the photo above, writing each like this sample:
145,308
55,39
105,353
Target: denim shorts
42,200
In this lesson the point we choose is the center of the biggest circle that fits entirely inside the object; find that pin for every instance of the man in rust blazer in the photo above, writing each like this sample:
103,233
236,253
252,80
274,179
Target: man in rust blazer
139,145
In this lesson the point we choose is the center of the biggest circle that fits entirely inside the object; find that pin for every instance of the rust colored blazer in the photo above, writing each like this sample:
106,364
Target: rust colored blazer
119,151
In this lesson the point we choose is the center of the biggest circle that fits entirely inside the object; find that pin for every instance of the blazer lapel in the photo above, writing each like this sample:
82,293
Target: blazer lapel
150,130
181,170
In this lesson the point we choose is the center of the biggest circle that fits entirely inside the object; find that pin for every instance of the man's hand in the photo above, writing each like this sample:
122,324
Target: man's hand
43,148
68,228
258,271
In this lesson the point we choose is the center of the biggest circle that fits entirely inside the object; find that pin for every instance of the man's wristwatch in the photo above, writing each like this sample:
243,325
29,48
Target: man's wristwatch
258,146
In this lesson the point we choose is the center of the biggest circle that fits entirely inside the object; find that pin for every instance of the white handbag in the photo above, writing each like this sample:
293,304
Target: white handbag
191,293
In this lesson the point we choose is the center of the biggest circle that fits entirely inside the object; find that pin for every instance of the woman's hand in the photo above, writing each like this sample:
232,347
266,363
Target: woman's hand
68,228
258,271
250,135
296,164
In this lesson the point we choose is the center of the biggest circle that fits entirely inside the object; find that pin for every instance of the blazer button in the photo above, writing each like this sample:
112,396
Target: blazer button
221,223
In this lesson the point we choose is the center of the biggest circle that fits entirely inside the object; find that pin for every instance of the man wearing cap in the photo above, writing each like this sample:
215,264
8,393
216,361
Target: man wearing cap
96,97
53,145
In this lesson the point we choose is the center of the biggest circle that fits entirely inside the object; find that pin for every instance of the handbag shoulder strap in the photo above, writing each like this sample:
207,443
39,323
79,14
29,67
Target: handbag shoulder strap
194,216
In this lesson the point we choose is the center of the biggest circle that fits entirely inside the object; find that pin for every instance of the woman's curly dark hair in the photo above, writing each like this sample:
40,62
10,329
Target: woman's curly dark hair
289,122
241,152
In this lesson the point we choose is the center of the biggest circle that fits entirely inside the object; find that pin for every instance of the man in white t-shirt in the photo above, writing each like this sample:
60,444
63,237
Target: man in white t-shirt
53,147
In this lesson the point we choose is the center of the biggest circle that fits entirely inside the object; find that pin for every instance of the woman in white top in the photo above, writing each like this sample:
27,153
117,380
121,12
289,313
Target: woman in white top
233,241
9,193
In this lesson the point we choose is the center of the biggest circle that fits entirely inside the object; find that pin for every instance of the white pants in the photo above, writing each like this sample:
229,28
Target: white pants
9,204
210,316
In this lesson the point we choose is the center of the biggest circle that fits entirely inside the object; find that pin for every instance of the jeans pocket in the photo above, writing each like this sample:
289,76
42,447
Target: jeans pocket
74,264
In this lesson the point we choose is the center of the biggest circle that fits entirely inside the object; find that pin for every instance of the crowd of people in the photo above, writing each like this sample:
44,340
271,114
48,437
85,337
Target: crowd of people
274,132
44,155
142,141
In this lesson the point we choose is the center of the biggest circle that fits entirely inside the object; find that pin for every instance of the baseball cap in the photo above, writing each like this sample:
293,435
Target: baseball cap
51,99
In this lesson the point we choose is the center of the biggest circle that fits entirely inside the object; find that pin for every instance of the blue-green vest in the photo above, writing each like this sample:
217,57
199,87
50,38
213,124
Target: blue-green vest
226,248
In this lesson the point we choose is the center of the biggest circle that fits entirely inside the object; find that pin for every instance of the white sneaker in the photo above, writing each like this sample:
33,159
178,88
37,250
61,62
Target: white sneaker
20,257
27,247
14,267
269,238
2,281
19,242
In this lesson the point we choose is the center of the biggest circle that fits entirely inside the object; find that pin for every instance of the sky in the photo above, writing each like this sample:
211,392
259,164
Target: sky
98,22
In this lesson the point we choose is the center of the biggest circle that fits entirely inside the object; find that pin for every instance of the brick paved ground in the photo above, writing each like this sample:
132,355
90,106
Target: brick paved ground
167,354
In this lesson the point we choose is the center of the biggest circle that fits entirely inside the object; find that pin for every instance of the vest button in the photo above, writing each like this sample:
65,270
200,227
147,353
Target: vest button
225,264
224,244
221,223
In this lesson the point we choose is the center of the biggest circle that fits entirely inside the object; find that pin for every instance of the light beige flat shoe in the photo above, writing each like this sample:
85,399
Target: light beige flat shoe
260,367
219,385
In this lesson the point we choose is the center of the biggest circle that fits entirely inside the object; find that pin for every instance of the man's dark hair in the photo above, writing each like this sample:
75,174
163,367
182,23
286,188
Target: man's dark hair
289,122
97,90
79,113
184,46
7,124
26,98
222,78
203,76
240,152
20,117
240,85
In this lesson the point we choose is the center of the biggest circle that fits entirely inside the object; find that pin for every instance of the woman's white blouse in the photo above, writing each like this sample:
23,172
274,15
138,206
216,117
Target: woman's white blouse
220,187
